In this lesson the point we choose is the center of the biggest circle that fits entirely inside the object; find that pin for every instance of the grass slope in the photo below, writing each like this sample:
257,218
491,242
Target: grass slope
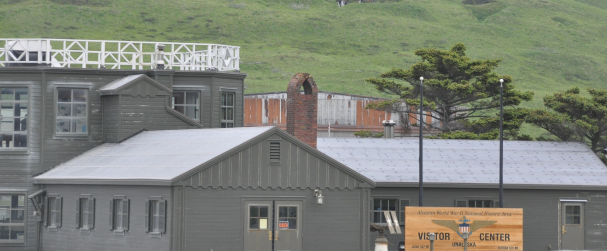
546,45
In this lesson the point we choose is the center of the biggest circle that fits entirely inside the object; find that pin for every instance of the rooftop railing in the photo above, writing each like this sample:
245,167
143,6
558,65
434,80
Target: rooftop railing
75,53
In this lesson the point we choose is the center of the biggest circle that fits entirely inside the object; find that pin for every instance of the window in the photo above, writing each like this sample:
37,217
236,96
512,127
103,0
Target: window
227,110
258,217
274,152
54,205
12,215
119,214
287,214
71,111
477,203
13,117
188,103
381,205
573,214
480,203
85,212
155,215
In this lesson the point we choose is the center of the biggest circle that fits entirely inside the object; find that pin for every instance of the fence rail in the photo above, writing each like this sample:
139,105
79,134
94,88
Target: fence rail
74,53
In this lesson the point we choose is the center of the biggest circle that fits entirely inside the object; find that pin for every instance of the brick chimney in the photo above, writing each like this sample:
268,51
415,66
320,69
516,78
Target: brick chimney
302,108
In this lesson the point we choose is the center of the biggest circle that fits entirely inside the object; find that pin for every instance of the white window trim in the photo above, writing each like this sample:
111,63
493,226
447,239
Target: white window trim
373,211
80,217
150,217
53,225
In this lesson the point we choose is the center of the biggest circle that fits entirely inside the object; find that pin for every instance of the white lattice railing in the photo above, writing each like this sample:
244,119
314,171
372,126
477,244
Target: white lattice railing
73,53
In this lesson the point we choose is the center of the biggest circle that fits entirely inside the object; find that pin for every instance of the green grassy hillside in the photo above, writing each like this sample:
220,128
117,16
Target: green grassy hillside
546,45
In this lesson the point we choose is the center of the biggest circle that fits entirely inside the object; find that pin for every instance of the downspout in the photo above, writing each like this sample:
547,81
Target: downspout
37,201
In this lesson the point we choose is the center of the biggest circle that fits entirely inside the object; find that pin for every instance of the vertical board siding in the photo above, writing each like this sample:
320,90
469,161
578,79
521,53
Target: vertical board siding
250,167
214,218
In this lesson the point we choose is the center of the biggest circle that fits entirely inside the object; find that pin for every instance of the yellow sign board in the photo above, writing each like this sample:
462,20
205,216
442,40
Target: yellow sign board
489,229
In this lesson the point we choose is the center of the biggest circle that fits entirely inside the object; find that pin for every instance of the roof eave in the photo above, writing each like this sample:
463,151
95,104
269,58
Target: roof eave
127,182
492,186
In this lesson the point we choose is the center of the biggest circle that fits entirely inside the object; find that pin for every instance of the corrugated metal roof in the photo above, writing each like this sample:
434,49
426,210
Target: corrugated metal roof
116,84
150,157
394,162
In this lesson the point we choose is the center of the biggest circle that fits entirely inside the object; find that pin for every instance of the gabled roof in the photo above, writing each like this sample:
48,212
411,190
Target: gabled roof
470,163
165,157
120,84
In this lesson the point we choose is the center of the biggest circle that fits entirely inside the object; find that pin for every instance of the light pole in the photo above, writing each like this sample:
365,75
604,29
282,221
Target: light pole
501,143
421,142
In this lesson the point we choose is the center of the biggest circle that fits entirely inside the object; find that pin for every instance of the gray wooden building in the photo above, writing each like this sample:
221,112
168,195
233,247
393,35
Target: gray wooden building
561,186
206,189
54,107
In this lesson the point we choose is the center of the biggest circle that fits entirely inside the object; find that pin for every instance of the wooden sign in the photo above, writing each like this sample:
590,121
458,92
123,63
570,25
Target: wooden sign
489,229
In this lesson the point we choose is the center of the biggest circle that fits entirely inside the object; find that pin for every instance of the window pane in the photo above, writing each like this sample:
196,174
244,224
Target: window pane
254,211
263,212
178,98
63,125
180,109
568,219
17,216
223,99
7,94
292,223
223,113
6,140
487,203
576,219
79,110
20,140
254,223
230,100
64,110
384,204
192,98
4,232
79,125
79,95
283,211
64,95
7,110
392,205
292,211
376,204
576,210
569,209
4,215
6,124
191,112
229,125
17,233
21,94
377,217
230,114
20,109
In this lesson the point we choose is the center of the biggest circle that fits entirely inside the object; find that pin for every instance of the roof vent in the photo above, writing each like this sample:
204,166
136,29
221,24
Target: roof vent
388,128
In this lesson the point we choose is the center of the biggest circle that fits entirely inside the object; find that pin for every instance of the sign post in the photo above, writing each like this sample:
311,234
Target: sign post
457,228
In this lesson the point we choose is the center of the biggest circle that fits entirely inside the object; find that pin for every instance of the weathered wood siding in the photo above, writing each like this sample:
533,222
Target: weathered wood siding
111,118
540,211
215,218
67,237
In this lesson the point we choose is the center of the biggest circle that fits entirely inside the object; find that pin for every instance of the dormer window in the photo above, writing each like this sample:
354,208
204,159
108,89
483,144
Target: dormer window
72,111
188,103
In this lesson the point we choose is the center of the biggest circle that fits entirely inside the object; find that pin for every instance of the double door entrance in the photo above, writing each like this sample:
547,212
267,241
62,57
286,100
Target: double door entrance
273,225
